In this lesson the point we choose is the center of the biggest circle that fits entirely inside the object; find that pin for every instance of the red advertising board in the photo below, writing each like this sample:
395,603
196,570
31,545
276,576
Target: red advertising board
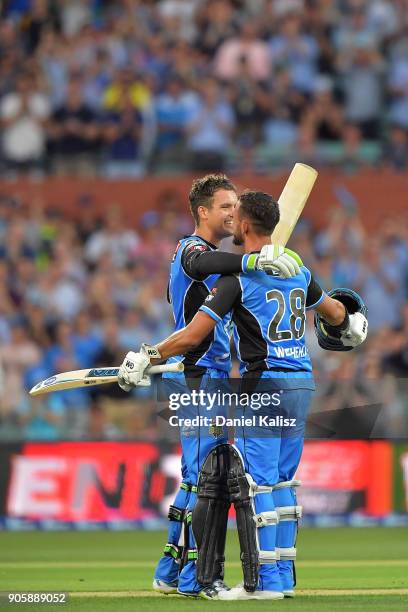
101,481
108,481
346,476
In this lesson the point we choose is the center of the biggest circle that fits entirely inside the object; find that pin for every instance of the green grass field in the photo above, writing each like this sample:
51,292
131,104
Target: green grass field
338,569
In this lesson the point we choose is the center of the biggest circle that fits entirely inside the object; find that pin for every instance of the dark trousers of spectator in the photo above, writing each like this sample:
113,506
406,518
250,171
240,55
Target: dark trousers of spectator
28,166
80,164
370,130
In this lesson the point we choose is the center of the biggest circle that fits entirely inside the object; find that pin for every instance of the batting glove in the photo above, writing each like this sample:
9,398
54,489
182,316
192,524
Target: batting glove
132,372
275,259
356,332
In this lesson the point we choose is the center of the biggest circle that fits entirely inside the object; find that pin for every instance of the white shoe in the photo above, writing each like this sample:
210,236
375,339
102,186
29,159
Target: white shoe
164,587
241,594
290,593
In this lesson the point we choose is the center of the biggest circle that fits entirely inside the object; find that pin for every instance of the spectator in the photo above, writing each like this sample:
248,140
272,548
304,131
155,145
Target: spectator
12,55
398,87
85,340
41,418
51,57
15,243
381,286
130,334
382,18
96,80
218,23
324,115
356,152
40,17
395,151
75,14
16,356
209,129
126,90
180,15
122,136
307,149
24,114
58,293
295,51
362,72
351,28
249,98
172,114
157,61
114,239
110,349
248,46
75,134
99,427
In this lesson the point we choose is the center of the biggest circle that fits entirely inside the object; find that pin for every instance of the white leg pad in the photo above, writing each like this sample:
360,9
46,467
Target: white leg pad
287,483
289,513
264,519
286,554
268,556
255,489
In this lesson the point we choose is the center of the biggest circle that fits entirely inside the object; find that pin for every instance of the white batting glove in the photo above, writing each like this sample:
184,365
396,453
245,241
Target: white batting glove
356,332
275,259
132,372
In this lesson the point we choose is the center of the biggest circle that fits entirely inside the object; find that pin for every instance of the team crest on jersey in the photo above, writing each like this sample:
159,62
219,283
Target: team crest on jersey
215,430
211,295
196,246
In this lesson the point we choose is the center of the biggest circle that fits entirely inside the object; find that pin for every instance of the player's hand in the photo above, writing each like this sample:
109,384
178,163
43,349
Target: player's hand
275,259
132,372
356,332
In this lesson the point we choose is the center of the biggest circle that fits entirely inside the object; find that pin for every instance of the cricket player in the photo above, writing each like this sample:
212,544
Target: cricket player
268,313
195,268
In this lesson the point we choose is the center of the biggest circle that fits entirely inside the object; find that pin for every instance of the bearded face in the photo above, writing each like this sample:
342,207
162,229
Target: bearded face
237,237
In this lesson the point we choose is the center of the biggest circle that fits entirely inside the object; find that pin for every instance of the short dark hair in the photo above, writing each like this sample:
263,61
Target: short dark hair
261,210
203,191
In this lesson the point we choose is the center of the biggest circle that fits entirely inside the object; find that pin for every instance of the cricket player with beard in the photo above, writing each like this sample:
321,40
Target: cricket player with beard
195,268
268,314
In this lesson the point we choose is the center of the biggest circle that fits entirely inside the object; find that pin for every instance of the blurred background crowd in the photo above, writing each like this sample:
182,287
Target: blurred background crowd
119,88
127,87
77,295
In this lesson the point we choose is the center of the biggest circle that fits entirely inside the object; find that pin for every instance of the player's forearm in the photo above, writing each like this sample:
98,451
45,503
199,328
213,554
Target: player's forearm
332,311
215,262
187,338
178,343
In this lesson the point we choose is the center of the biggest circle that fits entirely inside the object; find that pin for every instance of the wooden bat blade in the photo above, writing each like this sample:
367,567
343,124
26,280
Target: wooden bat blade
91,377
292,201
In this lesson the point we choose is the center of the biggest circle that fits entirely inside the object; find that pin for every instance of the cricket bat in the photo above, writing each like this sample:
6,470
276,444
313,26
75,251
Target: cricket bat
91,377
292,201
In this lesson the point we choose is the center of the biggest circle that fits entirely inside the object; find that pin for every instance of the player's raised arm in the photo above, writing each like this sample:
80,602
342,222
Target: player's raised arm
133,373
199,261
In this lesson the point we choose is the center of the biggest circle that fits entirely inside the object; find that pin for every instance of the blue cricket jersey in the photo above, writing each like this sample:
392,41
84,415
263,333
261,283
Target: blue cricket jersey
186,294
269,319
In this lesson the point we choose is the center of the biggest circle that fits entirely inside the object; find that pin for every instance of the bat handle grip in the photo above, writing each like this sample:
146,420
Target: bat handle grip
166,367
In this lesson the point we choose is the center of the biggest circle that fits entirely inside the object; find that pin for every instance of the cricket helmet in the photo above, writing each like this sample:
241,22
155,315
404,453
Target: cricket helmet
329,337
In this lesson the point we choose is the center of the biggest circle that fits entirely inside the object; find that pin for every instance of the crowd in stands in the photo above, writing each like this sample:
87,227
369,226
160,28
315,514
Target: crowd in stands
123,87
81,294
